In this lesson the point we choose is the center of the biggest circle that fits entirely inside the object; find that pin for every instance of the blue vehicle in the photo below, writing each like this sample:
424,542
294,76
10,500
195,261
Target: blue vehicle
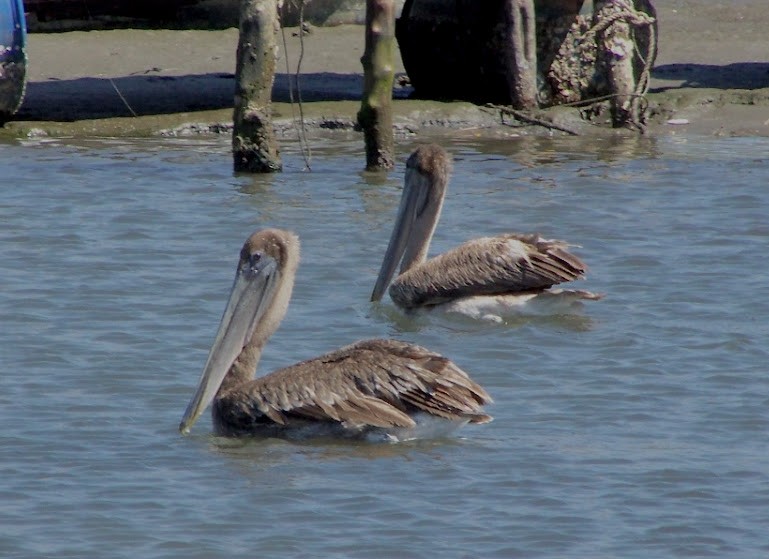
13,57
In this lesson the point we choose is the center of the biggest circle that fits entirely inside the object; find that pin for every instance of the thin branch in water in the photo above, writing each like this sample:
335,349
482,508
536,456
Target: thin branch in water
529,119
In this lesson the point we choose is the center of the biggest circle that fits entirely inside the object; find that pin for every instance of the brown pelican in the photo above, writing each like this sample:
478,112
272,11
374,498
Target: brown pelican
383,389
482,277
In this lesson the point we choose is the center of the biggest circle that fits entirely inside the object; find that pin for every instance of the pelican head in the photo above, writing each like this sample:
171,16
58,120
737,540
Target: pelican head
257,302
425,181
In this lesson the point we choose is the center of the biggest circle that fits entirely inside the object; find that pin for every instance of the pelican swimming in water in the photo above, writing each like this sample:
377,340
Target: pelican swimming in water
483,277
381,389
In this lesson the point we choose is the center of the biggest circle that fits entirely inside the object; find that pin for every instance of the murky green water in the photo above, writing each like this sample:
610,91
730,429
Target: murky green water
636,427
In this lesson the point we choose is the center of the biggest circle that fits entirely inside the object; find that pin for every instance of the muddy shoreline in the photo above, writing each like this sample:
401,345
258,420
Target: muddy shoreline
711,78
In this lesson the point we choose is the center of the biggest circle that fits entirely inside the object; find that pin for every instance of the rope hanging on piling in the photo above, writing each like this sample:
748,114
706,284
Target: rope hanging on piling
624,10
571,76
301,129
581,67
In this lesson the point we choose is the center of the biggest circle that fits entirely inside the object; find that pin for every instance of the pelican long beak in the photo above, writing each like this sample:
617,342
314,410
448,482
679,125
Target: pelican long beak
413,201
252,291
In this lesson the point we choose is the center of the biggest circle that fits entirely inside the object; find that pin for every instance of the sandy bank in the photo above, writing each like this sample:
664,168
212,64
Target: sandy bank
712,72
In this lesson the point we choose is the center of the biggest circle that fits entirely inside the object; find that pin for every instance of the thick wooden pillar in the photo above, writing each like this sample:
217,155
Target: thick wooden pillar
521,53
375,115
254,146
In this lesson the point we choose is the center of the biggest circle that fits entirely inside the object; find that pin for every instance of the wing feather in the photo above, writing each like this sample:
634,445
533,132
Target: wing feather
373,383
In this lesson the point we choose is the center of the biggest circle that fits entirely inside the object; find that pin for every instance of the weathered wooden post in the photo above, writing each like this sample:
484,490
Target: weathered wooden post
521,53
616,47
375,115
254,146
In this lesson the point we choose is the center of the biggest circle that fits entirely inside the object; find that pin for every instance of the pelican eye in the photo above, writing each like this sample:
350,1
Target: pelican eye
254,258
250,260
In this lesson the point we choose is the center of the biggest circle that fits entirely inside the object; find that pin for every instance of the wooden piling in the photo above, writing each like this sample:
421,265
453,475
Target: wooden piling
375,115
521,53
617,49
254,145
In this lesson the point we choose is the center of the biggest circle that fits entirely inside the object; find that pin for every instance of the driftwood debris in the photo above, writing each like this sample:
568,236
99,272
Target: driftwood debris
254,145
375,115
528,117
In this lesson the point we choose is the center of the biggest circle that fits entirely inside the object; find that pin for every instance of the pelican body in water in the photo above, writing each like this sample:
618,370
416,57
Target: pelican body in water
482,277
382,389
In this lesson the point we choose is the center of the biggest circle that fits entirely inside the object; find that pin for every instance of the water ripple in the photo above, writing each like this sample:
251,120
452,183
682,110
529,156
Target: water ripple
634,427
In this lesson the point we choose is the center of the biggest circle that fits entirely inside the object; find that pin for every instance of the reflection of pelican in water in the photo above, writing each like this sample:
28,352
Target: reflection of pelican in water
381,388
483,277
